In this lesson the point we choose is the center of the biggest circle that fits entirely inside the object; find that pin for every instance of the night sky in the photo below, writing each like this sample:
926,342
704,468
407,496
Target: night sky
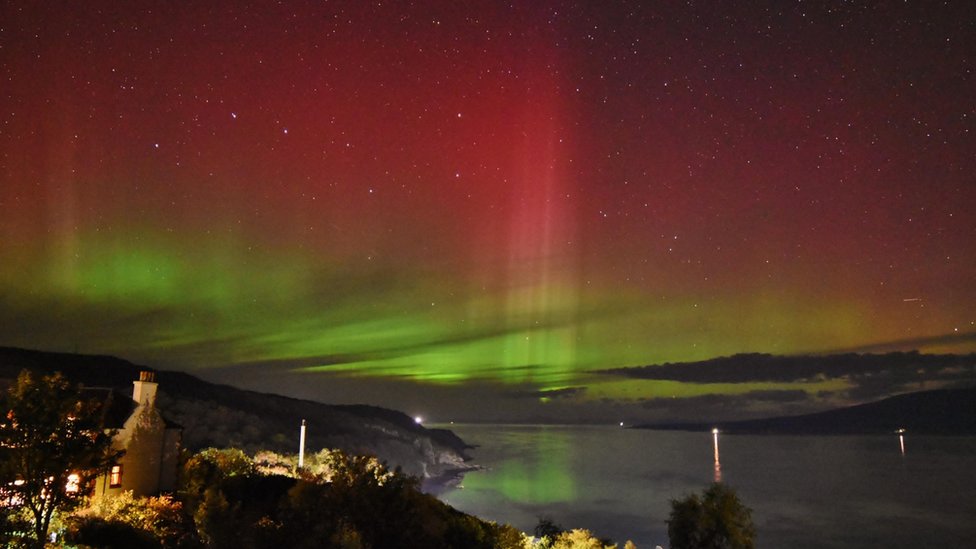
463,210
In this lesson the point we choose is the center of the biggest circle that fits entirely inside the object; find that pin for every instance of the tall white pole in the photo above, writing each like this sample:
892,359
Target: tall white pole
718,466
301,447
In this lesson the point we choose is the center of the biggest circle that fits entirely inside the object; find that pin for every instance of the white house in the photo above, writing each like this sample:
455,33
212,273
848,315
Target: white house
151,445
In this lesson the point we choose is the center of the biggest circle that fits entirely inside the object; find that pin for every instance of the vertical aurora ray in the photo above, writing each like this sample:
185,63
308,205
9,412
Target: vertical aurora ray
542,258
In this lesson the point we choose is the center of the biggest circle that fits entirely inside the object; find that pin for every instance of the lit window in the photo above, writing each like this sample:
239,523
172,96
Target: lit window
115,477
72,486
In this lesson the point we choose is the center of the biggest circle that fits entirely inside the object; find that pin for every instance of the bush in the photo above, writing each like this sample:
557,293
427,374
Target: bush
352,502
142,521
99,533
579,539
717,520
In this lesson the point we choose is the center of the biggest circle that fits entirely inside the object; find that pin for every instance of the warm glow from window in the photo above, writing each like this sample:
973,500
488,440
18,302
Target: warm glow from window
115,477
72,486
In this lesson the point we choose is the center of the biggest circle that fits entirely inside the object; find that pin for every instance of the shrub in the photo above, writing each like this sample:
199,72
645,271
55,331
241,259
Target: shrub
141,521
717,520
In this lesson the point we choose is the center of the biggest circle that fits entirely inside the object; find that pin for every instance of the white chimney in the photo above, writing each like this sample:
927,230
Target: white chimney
144,390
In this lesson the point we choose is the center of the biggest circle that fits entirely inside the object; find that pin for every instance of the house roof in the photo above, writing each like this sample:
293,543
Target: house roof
116,407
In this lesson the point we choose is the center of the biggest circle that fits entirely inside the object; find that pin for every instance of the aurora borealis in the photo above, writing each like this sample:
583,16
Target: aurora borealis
466,209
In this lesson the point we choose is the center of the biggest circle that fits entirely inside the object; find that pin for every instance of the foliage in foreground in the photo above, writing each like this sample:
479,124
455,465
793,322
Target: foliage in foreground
582,539
50,440
227,500
550,535
359,503
716,520
133,522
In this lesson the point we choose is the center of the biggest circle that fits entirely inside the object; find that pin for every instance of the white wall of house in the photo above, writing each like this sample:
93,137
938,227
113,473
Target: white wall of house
151,450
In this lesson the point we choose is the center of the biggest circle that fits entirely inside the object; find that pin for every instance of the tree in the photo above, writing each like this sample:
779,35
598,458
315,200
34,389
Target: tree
547,531
52,445
352,502
580,539
717,520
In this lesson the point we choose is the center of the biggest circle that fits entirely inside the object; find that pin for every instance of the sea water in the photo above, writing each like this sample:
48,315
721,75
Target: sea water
805,491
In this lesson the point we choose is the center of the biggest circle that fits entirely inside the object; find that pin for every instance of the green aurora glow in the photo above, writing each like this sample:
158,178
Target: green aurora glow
433,209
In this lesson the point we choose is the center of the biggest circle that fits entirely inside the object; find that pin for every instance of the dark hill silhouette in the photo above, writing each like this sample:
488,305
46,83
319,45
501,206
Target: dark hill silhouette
753,367
938,412
224,416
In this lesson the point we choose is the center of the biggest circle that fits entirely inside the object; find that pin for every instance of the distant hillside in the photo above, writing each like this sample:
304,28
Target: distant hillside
224,416
940,412
753,367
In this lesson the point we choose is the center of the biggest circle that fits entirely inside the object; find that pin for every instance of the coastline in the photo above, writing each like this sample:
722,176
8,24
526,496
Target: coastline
448,480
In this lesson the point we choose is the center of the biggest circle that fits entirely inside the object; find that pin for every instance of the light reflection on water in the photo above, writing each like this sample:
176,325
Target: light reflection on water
806,492
541,476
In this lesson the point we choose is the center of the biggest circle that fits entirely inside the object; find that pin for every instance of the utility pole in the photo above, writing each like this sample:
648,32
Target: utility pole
301,447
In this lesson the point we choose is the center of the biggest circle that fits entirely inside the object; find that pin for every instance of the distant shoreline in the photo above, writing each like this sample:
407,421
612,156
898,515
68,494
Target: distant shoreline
942,412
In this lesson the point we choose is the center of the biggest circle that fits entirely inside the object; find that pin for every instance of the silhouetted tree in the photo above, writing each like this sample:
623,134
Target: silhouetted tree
547,531
52,444
716,520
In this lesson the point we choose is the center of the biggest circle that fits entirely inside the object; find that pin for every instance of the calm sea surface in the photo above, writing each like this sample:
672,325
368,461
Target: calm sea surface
805,492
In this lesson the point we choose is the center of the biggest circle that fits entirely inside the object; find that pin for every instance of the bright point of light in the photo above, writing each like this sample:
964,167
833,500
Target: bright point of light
418,420
715,431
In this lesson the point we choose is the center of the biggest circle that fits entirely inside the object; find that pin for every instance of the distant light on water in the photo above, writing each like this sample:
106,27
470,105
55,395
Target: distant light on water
418,420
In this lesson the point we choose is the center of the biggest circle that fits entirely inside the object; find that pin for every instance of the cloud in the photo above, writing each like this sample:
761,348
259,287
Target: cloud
722,400
953,338
750,368
761,403
566,393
